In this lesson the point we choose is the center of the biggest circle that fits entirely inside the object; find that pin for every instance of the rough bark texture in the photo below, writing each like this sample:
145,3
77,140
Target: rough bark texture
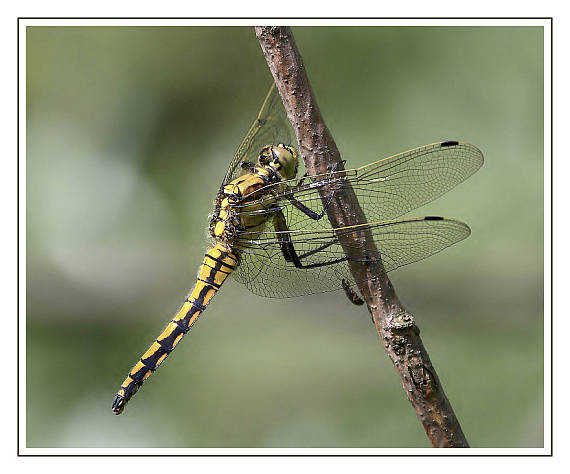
396,326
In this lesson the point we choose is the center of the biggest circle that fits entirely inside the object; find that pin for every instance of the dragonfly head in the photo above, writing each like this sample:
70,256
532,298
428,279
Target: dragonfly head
282,158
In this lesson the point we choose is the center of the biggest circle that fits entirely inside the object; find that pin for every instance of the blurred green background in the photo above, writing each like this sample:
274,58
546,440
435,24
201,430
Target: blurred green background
129,133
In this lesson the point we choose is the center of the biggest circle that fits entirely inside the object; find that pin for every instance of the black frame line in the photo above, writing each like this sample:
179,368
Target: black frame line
459,453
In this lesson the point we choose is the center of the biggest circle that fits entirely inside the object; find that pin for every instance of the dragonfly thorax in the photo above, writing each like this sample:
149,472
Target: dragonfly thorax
282,158
246,203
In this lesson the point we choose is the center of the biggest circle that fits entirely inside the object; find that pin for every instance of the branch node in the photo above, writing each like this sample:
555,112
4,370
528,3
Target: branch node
401,320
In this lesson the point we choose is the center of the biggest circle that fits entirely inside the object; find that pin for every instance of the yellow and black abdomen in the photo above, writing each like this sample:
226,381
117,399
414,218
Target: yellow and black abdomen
237,210
217,265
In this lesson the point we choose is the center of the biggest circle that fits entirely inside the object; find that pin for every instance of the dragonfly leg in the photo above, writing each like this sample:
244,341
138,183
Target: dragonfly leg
308,211
351,294
288,249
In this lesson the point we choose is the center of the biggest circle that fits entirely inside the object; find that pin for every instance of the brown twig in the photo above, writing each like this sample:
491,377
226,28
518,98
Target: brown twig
396,326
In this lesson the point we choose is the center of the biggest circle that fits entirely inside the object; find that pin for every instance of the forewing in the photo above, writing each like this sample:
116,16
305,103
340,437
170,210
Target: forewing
264,270
385,189
271,127
396,185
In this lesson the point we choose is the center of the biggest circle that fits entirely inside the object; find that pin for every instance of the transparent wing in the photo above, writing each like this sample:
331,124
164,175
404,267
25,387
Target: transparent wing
386,189
271,127
396,185
264,270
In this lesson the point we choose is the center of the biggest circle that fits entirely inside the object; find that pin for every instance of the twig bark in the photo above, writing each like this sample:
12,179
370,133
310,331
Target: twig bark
396,326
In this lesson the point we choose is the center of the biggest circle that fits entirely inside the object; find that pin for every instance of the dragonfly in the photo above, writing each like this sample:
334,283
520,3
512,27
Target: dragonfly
269,227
